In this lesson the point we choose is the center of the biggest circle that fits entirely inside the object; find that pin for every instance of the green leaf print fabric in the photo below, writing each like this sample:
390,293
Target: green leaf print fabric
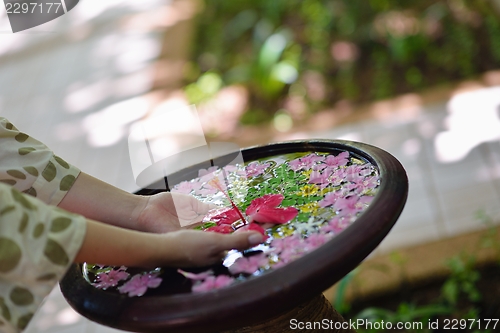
38,241
31,167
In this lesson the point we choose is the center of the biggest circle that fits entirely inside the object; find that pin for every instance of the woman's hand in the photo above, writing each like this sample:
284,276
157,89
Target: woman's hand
191,248
110,245
159,213
167,211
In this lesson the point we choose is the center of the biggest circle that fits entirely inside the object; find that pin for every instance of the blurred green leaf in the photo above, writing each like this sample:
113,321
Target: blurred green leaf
384,48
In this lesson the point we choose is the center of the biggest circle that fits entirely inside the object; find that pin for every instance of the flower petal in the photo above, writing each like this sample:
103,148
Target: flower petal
274,215
271,200
222,216
254,227
249,265
222,229
212,282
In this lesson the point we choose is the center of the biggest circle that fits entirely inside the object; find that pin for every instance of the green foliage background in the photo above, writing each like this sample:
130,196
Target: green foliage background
393,47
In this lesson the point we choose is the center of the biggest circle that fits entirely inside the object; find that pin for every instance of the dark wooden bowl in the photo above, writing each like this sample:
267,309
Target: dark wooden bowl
271,294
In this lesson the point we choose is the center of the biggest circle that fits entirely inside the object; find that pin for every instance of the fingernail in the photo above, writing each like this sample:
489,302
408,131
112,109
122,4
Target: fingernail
255,239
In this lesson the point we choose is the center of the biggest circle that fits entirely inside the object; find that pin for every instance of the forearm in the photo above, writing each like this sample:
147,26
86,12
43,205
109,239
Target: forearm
101,201
110,245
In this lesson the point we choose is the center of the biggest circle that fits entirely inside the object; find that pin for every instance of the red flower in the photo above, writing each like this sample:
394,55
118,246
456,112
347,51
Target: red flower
265,210
223,216
223,229
254,227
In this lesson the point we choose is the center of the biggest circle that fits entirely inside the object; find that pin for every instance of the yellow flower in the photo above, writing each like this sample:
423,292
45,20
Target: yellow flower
310,207
308,190
283,231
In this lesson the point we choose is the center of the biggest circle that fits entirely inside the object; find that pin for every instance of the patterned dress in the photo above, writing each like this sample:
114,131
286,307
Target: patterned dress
38,241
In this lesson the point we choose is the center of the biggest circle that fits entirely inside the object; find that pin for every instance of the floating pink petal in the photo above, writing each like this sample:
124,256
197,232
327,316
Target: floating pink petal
348,206
249,265
255,169
371,182
139,284
311,159
207,174
290,254
330,199
319,178
353,173
337,161
335,225
209,188
287,243
356,173
314,241
234,169
353,186
306,162
111,278
363,184
296,164
230,168
337,176
213,282
288,248
318,167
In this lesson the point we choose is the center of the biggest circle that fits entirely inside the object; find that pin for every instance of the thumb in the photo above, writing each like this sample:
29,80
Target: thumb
241,240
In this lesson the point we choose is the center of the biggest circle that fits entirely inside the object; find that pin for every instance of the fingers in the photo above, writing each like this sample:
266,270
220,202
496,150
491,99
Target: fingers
198,248
240,240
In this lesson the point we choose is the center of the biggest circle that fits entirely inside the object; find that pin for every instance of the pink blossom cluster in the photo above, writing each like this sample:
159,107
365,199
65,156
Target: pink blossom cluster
207,281
201,186
345,206
111,278
136,286
250,264
139,284
335,225
306,162
255,169
354,178
293,247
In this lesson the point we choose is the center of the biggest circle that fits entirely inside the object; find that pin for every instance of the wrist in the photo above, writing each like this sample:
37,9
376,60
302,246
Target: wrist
138,216
103,202
169,251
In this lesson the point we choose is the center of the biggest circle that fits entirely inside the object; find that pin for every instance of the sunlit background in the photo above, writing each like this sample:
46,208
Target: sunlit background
420,79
